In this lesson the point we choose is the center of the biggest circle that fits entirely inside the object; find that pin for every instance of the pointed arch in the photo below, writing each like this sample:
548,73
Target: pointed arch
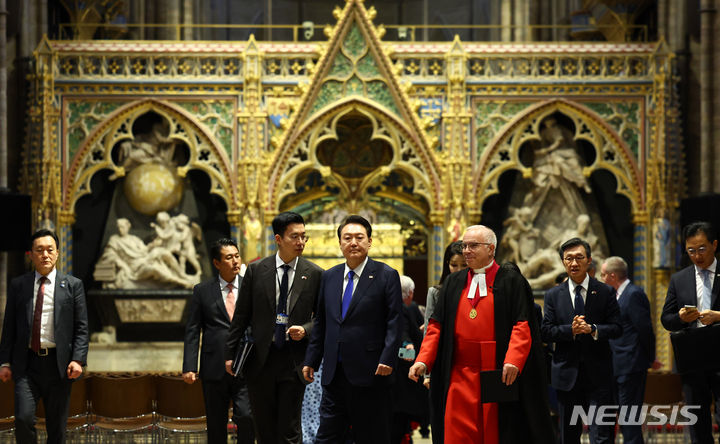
612,153
95,154
407,155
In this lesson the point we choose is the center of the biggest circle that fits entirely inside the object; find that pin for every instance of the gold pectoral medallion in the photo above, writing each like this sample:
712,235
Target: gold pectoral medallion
473,313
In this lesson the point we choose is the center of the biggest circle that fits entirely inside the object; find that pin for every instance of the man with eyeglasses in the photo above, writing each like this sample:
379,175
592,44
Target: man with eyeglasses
277,300
580,317
692,302
484,320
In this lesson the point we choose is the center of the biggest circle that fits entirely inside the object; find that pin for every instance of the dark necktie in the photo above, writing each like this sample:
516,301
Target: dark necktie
579,303
347,295
37,316
280,327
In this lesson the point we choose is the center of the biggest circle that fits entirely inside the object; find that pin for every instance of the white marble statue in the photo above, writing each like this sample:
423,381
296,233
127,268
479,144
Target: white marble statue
128,263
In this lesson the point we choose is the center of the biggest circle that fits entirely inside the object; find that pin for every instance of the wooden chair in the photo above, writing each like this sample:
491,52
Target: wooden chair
180,410
78,412
122,408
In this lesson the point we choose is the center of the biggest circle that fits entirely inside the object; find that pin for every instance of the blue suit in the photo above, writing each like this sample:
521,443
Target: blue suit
698,386
633,353
581,368
352,348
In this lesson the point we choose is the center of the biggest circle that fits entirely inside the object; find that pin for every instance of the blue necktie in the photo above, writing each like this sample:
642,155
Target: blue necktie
281,307
707,290
347,296
579,303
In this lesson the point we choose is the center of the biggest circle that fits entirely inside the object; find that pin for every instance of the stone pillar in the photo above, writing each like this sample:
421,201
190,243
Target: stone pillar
270,245
663,351
236,230
641,252
708,158
188,19
506,21
64,233
436,247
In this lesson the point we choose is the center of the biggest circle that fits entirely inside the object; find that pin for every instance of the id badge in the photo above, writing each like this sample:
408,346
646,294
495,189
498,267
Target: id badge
281,319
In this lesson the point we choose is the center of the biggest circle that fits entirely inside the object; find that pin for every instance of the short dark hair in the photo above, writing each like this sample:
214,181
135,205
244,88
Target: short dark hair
42,233
572,243
355,219
284,219
451,250
695,228
219,245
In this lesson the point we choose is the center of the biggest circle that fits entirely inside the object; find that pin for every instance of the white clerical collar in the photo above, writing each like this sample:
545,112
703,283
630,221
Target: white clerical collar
478,284
483,269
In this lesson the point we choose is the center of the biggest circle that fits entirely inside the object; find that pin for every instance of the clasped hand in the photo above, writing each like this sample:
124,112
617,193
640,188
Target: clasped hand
579,326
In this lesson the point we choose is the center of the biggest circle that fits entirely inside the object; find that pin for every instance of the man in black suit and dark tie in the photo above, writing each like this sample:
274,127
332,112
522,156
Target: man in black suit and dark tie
634,351
580,317
277,299
692,302
211,310
357,331
44,341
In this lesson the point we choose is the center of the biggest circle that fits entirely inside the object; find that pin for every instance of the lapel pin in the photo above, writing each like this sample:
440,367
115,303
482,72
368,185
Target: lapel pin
303,277
370,277
593,292
62,284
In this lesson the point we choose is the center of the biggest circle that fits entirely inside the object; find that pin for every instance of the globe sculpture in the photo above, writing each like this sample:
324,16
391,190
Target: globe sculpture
152,187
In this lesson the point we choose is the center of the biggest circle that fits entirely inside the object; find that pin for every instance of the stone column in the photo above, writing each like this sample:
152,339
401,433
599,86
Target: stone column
506,21
708,158
270,245
641,251
64,234
236,230
188,19
663,351
436,247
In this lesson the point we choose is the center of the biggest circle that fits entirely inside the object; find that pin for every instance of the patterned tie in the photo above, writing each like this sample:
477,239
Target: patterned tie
707,290
347,296
579,303
282,307
37,316
230,301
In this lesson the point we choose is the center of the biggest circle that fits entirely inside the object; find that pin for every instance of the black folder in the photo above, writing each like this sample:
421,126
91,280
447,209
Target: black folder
492,389
245,348
695,349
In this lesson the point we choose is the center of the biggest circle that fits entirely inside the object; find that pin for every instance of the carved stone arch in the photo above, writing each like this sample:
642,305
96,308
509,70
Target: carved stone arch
95,153
301,153
612,153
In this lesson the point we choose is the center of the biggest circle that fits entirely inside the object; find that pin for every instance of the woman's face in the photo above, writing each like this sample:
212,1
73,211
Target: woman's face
457,262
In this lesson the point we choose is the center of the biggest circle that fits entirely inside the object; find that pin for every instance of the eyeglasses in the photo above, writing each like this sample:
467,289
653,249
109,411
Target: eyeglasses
693,251
473,245
298,237
571,259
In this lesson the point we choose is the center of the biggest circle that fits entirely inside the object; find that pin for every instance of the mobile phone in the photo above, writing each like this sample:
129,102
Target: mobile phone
406,353
691,307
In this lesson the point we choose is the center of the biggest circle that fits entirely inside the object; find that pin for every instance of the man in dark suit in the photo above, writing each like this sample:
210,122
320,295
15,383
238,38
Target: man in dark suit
46,310
580,317
692,302
634,351
277,299
211,309
357,332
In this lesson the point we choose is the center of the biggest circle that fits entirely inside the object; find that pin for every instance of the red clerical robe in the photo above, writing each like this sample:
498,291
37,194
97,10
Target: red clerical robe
466,418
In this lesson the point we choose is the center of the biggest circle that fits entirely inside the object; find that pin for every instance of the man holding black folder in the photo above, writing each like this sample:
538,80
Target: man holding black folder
277,299
211,310
483,348
692,302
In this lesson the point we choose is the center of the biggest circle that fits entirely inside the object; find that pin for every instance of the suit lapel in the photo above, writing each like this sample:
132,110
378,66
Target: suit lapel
715,289
28,292
298,283
566,300
268,274
366,279
61,293
591,296
217,299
